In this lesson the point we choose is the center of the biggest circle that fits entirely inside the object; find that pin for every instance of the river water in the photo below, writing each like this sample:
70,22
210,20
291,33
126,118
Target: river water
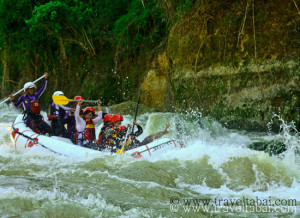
215,166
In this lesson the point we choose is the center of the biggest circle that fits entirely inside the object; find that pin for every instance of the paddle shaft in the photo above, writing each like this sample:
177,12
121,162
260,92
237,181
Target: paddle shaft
90,101
21,90
120,151
136,111
129,138
63,100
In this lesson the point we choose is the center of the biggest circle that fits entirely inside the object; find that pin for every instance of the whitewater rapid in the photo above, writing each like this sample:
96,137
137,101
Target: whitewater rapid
215,164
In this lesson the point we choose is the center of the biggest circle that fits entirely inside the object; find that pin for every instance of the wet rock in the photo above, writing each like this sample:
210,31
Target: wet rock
271,147
206,66
155,83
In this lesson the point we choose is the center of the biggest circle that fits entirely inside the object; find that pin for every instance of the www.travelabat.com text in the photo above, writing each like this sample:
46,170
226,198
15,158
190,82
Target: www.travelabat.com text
242,205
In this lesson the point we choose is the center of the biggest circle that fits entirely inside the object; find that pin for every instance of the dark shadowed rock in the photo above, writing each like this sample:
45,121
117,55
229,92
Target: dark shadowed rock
272,147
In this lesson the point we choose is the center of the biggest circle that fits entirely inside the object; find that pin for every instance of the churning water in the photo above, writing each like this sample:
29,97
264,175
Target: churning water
215,166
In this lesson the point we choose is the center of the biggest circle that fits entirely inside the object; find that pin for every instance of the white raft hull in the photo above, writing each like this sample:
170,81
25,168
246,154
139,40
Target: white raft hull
65,147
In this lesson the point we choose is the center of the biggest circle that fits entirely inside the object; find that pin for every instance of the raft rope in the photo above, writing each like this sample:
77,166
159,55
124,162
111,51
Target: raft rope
149,149
35,141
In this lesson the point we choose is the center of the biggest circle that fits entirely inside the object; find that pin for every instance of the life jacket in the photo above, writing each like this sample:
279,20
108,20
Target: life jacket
113,141
32,109
114,134
90,132
102,140
110,141
35,107
32,113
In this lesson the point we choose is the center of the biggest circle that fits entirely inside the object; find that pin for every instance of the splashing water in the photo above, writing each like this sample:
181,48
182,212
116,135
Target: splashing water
216,164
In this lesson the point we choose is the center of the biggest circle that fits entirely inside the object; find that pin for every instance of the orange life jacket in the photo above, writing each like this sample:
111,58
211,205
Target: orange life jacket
89,133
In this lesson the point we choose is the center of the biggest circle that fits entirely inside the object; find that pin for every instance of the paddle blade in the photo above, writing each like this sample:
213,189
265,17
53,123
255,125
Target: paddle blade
128,142
120,151
61,99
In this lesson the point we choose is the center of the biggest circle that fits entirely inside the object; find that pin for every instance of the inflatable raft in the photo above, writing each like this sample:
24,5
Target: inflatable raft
23,138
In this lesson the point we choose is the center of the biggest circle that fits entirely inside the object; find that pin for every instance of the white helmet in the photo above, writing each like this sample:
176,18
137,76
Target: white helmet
58,93
29,85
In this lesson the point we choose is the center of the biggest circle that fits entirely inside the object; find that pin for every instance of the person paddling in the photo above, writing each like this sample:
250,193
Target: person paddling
106,125
32,108
57,116
131,140
86,134
109,134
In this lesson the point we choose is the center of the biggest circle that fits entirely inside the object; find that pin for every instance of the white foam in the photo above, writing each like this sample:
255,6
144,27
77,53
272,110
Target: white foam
206,140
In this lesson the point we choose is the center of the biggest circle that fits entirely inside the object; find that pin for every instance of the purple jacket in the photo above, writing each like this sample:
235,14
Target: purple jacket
59,111
26,99
71,123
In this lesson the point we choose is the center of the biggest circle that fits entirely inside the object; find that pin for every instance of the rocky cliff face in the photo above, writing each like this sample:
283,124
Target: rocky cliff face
244,97
235,61
156,84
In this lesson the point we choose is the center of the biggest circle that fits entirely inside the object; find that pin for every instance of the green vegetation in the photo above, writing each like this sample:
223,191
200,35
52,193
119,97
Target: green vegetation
237,61
85,45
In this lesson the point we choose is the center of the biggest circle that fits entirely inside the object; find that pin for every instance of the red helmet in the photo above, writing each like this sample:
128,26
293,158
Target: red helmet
121,128
116,117
78,98
89,109
107,118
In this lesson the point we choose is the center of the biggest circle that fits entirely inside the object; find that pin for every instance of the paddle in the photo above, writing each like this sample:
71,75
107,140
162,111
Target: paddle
136,111
128,141
21,90
63,100
125,142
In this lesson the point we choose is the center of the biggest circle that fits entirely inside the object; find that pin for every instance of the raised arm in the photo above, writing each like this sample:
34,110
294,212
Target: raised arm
42,89
99,117
139,131
80,123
